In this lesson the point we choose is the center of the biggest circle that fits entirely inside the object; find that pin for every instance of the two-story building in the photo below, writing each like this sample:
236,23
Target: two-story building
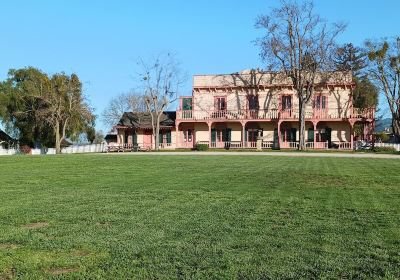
234,110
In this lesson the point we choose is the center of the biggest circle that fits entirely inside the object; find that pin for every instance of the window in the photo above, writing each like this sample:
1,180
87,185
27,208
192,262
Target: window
252,134
188,135
165,137
286,102
220,103
187,103
289,134
253,102
320,102
221,135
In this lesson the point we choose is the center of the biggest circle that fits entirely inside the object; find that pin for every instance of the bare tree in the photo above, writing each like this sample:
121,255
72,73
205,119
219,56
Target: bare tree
162,81
301,45
384,69
130,102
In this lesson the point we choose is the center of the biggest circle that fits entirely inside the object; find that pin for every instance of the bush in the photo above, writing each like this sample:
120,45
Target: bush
382,136
384,150
26,150
201,147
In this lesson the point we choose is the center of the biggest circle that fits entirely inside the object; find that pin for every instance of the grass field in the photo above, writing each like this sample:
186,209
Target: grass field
188,217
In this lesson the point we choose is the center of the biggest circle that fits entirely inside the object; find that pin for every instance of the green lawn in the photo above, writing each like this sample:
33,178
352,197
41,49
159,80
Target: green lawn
205,217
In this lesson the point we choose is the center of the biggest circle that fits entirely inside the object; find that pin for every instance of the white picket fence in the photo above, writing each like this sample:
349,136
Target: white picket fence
83,149
392,145
76,149
7,152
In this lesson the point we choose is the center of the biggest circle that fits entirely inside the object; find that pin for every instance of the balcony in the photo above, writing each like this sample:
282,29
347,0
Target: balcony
275,114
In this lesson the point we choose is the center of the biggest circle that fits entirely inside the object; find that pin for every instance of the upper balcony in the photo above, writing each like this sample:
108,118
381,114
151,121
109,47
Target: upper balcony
275,114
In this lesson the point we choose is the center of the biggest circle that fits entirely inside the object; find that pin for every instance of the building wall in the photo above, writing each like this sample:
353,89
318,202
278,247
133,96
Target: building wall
207,87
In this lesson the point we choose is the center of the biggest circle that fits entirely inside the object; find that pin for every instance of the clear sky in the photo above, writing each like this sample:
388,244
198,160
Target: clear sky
101,40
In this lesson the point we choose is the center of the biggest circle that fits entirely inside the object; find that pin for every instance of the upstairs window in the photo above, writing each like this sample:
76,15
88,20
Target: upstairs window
286,102
187,103
220,103
253,102
320,102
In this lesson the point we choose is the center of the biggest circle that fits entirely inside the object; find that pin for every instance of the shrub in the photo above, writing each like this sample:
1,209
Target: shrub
382,136
384,150
25,149
201,147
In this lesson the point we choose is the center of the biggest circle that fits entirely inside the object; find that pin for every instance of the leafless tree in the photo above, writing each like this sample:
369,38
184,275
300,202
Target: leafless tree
162,81
384,69
300,44
129,102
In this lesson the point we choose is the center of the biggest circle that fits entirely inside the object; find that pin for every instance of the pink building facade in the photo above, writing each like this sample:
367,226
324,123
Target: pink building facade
235,110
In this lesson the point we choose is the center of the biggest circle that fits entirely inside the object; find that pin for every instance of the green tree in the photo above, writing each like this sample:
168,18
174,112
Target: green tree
66,109
38,108
355,59
384,69
365,94
20,105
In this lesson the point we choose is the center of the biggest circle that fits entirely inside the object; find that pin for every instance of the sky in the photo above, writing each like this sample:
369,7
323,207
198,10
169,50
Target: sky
101,41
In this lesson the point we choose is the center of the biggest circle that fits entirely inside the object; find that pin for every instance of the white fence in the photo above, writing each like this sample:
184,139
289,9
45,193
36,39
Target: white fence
6,152
82,149
392,145
76,149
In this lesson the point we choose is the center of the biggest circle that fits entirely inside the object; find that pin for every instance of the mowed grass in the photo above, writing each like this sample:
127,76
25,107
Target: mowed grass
199,217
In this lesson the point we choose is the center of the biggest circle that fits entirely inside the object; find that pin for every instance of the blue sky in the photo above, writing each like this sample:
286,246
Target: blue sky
101,40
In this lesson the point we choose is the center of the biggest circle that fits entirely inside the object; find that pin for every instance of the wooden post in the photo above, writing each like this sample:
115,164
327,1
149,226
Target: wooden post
315,134
279,134
177,135
243,133
209,134
351,135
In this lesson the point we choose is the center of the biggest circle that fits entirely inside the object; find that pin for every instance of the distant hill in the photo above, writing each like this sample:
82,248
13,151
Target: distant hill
383,124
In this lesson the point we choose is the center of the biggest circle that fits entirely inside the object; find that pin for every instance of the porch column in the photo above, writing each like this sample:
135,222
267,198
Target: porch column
209,134
177,135
243,133
315,134
279,134
351,134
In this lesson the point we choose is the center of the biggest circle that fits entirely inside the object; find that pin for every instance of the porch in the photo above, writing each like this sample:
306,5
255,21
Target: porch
267,135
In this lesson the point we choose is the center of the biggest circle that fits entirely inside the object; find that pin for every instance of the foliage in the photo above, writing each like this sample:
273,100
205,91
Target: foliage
300,44
384,69
201,147
161,81
21,106
25,149
350,58
43,109
365,95
130,102
382,136
197,217
388,150
99,138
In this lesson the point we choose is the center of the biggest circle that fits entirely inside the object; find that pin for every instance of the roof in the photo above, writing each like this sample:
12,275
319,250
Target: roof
5,137
143,120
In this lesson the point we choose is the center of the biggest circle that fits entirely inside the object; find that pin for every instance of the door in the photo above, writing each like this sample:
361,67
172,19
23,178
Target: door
287,106
147,139
321,106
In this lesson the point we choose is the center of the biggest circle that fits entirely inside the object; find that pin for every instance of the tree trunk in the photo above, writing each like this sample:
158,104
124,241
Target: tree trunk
396,127
157,133
58,141
302,124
